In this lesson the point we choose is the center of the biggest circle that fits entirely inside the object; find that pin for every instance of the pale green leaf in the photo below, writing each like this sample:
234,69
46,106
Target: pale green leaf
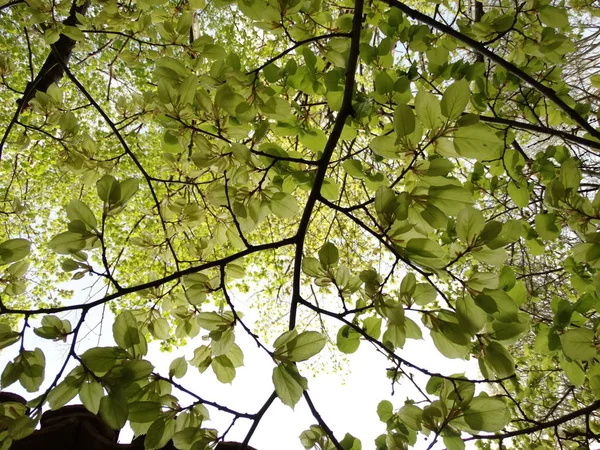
578,344
455,99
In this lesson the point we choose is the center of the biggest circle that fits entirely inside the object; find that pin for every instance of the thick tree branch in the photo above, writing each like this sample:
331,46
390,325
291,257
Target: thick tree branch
53,68
345,111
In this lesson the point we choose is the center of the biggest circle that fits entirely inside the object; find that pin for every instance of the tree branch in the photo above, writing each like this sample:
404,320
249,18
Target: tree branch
155,283
345,111
295,46
542,426
481,49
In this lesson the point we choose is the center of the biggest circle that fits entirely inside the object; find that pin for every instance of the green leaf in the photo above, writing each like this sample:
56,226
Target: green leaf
63,393
483,280
127,333
404,121
486,414
411,415
67,243
469,224
545,225
478,142
236,356
350,443
305,346
223,369
469,315
385,410
109,189
448,348
114,410
383,83
455,99
496,257
314,140
453,443
284,205
385,146
144,411
77,210
330,190
285,338
102,359
578,344
348,339
33,365
574,372
289,384
160,328
499,360
53,328
424,294
328,254
228,100
11,373
8,336
160,433
425,251
395,335
178,367
553,16
14,250
128,189
312,267
509,331
354,168
222,341
518,194
449,198
212,321
20,428
202,358
90,395
385,201
427,107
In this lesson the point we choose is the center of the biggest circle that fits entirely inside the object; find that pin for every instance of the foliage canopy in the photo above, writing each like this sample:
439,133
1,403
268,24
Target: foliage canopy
369,164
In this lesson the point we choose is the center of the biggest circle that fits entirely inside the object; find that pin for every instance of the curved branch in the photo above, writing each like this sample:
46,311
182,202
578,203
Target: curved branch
294,47
13,3
155,283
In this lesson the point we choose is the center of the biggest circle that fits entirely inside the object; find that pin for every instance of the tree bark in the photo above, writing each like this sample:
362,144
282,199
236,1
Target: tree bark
52,71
